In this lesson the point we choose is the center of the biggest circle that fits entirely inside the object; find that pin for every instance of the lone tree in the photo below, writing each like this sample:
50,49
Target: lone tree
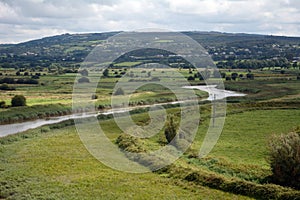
84,72
106,73
171,130
18,100
284,158
83,80
119,91
2,104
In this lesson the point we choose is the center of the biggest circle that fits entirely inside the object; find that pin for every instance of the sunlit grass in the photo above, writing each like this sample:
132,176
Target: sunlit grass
57,165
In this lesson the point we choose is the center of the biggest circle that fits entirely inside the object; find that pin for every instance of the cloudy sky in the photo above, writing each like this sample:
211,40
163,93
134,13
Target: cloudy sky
22,20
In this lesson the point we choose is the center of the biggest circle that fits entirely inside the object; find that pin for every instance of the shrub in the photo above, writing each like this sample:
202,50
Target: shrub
2,104
130,143
170,131
250,76
84,72
106,73
190,78
83,80
18,100
4,86
119,91
94,96
45,129
284,158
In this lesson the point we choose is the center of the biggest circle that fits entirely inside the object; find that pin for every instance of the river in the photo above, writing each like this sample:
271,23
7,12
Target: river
9,129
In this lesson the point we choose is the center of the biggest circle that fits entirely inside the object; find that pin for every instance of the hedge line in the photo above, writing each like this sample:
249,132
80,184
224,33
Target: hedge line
19,114
206,178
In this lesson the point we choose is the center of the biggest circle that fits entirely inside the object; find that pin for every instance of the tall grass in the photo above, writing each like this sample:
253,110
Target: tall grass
19,114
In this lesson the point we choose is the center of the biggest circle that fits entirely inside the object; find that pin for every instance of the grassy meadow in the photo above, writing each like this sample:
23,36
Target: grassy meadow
51,162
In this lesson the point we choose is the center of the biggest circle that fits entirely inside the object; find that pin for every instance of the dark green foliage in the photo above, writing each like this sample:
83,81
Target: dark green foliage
63,124
284,159
94,96
223,75
6,87
250,76
18,81
17,114
190,78
170,130
2,104
216,74
205,75
119,91
234,76
84,72
106,73
83,80
18,100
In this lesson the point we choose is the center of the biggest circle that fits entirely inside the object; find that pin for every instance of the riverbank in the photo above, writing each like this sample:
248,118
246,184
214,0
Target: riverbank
52,162
43,115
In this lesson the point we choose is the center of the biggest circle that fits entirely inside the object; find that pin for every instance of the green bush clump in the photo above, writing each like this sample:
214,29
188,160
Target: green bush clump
130,144
119,91
284,158
83,80
18,100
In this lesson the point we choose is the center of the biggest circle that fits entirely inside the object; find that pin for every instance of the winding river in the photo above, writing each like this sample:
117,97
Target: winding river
8,129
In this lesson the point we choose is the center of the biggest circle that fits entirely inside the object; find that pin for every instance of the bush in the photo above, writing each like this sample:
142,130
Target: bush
190,78
119,91
83,80
94,96
171,130
2,104
84,72
4,86
130,144
18,100
284,158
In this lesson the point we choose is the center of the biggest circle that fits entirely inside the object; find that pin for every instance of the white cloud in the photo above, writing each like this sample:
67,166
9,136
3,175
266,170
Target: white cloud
26,19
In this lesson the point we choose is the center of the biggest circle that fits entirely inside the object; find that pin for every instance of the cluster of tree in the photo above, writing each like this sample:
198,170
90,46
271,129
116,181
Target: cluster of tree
207,74
4,86
221,46
255,64
17,100
84,79
8,80
234,76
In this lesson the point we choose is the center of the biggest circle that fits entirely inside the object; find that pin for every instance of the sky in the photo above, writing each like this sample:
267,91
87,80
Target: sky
23,20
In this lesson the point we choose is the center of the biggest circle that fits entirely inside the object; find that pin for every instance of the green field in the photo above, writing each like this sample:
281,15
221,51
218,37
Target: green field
56,165
51,162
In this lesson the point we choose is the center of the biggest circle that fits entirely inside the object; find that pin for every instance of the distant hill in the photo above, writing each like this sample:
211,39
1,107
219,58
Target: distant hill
69,49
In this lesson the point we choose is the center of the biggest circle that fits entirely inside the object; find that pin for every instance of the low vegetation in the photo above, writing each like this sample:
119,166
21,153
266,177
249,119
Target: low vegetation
237,165
18,100
284,159
51,161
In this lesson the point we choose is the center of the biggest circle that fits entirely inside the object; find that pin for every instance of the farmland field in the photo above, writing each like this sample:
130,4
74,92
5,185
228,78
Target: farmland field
52,162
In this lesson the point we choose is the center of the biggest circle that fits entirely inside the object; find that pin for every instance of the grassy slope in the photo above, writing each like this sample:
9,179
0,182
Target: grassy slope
245,135
55,165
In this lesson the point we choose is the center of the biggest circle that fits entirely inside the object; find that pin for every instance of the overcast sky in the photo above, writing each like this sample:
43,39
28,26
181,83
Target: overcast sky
22,20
